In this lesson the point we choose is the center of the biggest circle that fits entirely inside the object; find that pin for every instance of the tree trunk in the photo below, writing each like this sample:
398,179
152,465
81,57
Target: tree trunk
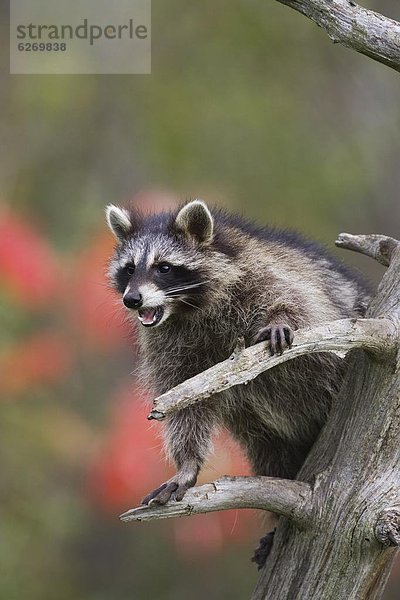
354,469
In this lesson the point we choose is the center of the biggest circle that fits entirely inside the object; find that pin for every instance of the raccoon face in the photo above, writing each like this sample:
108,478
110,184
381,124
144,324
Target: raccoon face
159,265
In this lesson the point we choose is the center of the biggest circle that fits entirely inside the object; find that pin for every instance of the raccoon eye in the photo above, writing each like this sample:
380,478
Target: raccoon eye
164,268
130,269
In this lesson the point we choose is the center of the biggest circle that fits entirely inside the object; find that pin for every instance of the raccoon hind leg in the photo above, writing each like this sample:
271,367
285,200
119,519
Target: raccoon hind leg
273,457
261,553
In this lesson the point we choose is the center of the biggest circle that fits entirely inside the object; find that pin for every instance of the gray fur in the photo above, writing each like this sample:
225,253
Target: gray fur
278,416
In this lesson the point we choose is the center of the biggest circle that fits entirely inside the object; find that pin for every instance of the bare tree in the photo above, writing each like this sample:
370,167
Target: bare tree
340,520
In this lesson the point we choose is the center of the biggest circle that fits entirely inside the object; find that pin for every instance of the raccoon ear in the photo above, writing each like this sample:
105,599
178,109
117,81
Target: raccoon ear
118,221
196,221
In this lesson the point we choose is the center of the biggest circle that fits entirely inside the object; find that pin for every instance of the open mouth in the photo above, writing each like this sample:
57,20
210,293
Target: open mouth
150,316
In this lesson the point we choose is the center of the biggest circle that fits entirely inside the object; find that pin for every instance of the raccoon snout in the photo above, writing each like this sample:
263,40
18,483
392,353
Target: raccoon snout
133,300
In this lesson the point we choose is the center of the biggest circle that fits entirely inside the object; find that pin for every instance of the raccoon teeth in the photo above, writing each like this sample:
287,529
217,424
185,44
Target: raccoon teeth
150,316
147,317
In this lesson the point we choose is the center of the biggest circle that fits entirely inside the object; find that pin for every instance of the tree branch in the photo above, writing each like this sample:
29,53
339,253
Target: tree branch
354,27
374,335
283,497
380,247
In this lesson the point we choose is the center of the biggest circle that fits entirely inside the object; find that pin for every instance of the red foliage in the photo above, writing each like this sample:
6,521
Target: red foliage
38,360
200,534
28,268
97,310
130,462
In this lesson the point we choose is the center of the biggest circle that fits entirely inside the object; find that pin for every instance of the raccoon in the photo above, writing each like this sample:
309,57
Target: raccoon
197,279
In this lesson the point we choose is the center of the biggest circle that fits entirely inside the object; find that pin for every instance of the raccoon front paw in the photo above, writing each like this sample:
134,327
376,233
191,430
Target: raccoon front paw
279,336
162,494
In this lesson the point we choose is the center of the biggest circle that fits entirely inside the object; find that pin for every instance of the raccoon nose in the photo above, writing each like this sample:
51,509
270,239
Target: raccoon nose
133,300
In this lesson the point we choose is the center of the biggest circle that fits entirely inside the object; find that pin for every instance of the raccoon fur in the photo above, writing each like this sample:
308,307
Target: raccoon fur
197,279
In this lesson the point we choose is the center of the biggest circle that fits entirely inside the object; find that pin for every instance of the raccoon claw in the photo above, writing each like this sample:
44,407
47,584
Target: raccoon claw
180,492
162,494
280,337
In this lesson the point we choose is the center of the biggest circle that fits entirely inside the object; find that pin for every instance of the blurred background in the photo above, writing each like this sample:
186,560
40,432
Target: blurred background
249,106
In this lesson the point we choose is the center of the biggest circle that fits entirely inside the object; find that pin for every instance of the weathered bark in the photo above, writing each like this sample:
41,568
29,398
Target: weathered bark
340,521
354,27
354,469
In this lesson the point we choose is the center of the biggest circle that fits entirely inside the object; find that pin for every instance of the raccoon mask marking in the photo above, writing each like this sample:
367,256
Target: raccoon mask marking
159,262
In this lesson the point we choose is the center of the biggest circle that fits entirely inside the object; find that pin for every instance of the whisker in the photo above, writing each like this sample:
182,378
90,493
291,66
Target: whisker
185,287
188,303
191,285
182,289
